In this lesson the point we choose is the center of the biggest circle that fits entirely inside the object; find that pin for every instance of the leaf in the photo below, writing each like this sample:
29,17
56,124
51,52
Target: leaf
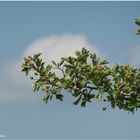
36,56
137,21
61,63
38,62
34,87
54,63
37,85
83,83
55,81
66,84
56,90
76,92
96,81
104,108
46,98
48,68
77,101
77,53
42,65
27,71
83,103
100,95
59,97
104,62
51,97
89,97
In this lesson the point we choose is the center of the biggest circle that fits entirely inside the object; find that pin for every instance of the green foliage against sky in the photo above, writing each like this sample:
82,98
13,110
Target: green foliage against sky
87,78
137,22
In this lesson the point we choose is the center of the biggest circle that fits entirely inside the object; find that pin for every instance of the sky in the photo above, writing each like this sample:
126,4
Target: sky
58,29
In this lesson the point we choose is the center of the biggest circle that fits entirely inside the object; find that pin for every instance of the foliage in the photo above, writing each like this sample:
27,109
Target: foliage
87,78
137,22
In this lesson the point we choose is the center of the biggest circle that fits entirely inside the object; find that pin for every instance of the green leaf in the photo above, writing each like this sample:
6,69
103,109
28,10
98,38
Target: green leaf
54,63
77,53
37,85
104,108
83,83
59,97
46,98
66,84
36,56
100,95
96,81
27,71
38,62
77,101
55,81
104,62
83,103
56,90
34,87
48,68
89,97
137,21
61,63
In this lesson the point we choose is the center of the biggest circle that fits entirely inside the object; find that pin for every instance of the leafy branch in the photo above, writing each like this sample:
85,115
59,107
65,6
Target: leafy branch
87,78
137,22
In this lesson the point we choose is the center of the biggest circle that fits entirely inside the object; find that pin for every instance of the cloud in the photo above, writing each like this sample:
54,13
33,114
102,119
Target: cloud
15,87
55,47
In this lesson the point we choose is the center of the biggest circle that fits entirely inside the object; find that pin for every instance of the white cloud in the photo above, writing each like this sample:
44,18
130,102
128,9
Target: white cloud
55,47
15,87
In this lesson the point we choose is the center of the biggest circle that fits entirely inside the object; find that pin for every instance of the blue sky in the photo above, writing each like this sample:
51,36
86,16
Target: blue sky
58,28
